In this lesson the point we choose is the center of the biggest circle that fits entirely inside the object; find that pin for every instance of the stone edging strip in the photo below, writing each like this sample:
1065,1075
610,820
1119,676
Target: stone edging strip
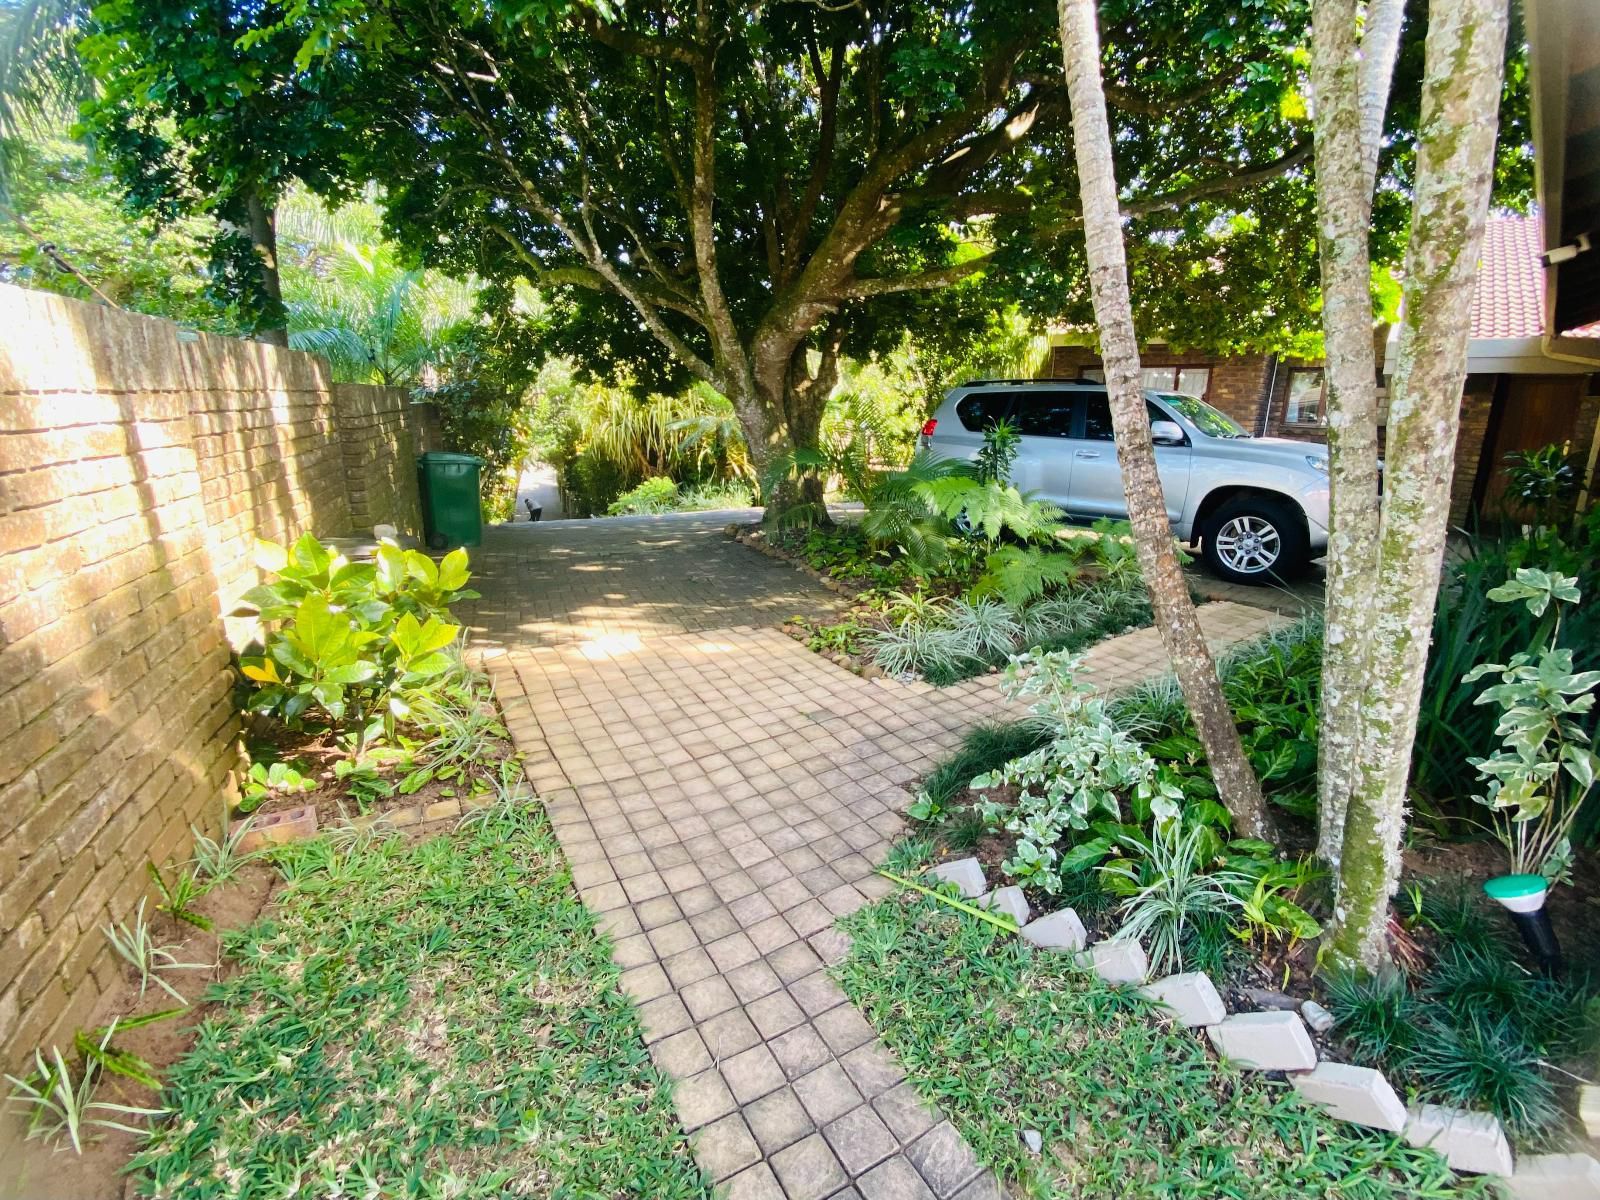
1469,1141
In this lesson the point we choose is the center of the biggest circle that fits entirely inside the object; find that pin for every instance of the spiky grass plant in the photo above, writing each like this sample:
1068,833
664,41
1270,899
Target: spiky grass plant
988,628
1377,1014
1160,914
986,748
136,945
219,860
1151,709
60,1106
1480,1062
1054,617
914,649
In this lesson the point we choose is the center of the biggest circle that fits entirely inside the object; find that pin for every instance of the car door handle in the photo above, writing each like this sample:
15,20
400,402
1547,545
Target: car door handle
1087,454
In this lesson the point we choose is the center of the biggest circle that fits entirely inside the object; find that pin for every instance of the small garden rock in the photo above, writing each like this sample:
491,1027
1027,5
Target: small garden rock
1265,1041
1319,1018
1060,930
1119,961
1010,901
1033,1140
1264,998
1555,1177
1469,1141
965,873
1357,1094
1190,998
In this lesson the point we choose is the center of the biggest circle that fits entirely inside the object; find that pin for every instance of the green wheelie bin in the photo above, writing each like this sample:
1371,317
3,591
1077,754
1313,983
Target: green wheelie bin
452,514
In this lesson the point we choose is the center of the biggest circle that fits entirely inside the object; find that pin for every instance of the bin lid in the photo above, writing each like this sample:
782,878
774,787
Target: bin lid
450,456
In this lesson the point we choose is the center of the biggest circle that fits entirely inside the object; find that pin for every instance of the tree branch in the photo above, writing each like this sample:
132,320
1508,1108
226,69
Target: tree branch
862,289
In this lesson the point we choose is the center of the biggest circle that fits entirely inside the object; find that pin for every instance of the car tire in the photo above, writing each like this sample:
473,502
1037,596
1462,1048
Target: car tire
1255,539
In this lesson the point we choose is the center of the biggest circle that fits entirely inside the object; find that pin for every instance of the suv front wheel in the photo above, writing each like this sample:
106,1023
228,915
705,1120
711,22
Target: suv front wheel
1255,539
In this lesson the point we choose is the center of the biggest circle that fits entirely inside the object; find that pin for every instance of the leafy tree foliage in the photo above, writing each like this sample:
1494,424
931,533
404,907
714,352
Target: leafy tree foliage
743,196
65,231
194,119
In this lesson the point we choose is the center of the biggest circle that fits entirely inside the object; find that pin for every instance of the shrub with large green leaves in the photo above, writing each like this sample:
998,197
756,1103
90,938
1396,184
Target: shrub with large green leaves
351,644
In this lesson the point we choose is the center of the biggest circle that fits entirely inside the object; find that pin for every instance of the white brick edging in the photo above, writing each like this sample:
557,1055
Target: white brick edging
1473,1142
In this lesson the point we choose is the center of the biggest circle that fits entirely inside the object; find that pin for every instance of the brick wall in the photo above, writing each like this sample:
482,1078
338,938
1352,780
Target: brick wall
137,466
1237,384
382,433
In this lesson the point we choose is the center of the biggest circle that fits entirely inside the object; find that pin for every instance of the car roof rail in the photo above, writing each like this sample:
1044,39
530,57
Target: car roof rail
992,382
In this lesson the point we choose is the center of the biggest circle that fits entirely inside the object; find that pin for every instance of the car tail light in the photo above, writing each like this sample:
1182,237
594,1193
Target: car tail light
929,426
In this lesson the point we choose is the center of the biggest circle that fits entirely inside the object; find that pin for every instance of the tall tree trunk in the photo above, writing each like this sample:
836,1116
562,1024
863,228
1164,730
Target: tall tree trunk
1147,508
264,237
1342,107
1464,52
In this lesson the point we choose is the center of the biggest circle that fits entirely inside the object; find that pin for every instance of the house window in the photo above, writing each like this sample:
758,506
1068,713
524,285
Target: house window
1189,381
1304,405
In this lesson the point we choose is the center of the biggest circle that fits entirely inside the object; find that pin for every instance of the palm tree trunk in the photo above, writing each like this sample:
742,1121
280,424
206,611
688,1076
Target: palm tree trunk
1147,508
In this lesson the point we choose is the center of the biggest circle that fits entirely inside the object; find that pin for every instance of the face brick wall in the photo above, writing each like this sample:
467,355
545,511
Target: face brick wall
137,468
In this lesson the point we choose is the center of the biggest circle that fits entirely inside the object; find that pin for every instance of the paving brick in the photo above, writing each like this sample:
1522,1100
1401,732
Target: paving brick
777,1120
725,1147
943,1159
1189,999
1118,961
1060,930
965,873
895,1179
827,1092
808,1169
726,1034
752,1073
860,1139
755,1183
1357,1094
1554,1177
1265,1041
1469,1141
774,1014
1008,901
843,1028
681,1055
872,1069
799,1051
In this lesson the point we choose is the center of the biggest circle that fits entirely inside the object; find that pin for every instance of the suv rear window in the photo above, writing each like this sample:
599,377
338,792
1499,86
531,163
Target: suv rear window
982,409
1045,414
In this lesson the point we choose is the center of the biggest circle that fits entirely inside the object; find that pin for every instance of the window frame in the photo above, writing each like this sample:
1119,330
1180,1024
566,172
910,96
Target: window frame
1320,419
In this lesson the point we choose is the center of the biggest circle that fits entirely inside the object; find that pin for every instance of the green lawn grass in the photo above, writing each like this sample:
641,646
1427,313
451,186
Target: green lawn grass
1006,1039
437,1019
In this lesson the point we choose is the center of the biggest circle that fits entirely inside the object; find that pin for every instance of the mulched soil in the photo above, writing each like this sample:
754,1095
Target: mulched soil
314,755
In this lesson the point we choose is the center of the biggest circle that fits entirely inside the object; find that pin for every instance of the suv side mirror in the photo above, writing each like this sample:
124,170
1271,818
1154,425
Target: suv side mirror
1166,433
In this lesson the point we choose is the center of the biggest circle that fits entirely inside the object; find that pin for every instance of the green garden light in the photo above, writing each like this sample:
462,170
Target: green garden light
1523,896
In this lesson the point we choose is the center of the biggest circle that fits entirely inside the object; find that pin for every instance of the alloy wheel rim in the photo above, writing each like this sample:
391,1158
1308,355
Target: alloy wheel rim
1249,545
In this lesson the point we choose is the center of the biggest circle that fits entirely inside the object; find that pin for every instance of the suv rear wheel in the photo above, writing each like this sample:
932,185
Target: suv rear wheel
1255,539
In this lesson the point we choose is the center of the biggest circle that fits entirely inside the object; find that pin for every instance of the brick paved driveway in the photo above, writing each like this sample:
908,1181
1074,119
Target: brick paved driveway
723,795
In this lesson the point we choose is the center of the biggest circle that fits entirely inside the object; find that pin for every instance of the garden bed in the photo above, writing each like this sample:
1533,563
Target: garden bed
1008,1041
966,619
1468,1023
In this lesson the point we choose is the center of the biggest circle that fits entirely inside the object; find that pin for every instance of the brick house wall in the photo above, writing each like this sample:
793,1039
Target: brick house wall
137,467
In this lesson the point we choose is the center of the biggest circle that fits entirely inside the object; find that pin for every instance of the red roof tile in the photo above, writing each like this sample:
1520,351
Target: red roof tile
1508,298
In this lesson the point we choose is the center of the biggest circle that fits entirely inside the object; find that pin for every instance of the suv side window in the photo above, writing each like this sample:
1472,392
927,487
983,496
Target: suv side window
1097,416
980,410
1045,414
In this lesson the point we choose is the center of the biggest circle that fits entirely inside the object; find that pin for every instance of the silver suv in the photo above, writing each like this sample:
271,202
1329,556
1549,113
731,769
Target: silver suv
1257,507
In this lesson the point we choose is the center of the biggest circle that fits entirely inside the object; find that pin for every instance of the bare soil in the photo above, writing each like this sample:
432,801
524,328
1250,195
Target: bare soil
31,1170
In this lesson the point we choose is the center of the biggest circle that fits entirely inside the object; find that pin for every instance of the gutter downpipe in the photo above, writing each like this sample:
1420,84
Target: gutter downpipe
1266,409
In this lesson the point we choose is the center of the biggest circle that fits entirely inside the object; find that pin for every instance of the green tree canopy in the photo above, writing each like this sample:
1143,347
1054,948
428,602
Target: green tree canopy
192,118
743,195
